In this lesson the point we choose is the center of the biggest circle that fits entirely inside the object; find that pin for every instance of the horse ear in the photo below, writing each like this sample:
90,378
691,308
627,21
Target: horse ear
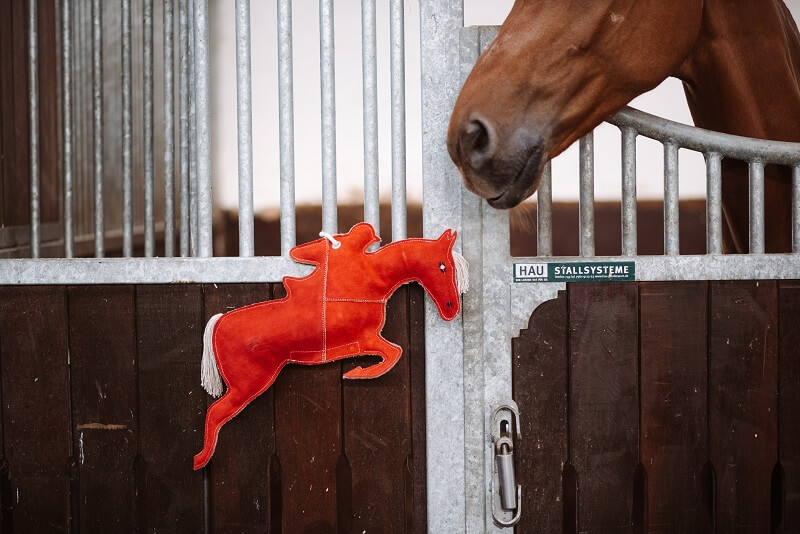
447,235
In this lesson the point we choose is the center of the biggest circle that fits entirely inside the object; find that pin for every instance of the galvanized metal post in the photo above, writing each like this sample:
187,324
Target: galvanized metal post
369,67
244,118
149,156
629,236
398,81
671,200
203,103
327,89
756,207
286,126
97,113
586,213
713,203
183,127
169,130
127,133
66,107
33,122
544,213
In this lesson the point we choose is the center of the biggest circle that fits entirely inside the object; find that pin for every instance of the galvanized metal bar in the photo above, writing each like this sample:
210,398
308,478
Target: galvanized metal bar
327,86
671,200
629,232
127,133
63,271
756,207
369,66
796,209
203,103
286,126
97,115
66,107
169,129
544,213
183,126
700,140
244,119
398,92
586,214
193,186
33,122
713,203
149,156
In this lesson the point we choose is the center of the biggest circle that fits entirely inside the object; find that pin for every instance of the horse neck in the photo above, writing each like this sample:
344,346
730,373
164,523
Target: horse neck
743,76
402,260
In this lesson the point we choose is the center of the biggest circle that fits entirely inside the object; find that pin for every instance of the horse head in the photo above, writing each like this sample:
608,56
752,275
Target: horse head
555,71
442,272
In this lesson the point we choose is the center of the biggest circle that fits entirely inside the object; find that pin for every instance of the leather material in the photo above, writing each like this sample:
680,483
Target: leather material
337,311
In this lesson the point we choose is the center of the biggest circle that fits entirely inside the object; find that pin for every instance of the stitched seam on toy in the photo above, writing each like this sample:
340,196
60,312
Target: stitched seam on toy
367,301
332,348
325,306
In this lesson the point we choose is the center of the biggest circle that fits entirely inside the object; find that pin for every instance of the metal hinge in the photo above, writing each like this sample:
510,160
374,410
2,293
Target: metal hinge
505,428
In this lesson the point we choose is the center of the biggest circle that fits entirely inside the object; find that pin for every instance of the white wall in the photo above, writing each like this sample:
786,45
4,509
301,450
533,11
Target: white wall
667,100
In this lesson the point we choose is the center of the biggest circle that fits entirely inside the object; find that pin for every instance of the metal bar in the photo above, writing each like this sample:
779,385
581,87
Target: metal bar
398,90
149,175
370,114
796,209
193,228
713,203
586,215
33,120
671,200
244,118
66,92
327,86
183,128
544,213
97,113
203,102
756,207
700,140
63,271
286,126
127,133
169,130
629,234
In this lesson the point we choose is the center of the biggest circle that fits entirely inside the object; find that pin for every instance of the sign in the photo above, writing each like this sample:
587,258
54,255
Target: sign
578,271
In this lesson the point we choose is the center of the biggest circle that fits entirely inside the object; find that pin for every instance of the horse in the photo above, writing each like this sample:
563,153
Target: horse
558,68
335,312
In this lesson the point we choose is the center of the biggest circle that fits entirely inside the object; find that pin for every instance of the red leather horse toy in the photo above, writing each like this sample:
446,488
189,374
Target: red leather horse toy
335,312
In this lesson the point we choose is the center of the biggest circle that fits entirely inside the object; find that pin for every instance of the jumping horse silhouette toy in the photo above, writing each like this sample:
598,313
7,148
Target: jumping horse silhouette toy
335,312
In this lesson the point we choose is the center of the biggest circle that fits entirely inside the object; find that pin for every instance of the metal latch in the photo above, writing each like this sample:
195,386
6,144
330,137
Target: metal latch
505,427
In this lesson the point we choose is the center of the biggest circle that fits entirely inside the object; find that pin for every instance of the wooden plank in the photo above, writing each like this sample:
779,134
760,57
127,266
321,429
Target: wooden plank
169,327
604,409
104,402
743,386
789,404
36,409
308,428
673,335
540,389
240,498
418,507
377,433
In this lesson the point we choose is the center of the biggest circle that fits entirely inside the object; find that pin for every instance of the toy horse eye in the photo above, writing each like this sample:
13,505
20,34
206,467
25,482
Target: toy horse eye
442,267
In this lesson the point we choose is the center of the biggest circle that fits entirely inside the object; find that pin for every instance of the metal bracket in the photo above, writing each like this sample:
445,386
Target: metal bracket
505,427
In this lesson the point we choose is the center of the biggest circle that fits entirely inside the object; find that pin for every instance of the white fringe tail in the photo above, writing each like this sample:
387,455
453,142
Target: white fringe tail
209,375
462,272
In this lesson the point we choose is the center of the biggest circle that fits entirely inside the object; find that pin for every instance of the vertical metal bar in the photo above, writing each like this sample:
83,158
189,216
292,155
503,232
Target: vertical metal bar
586,215
370,93
756,207
286,128
671,200
629,245
149,176
713,203
327,86
203,102
544,213
33,120
796,209
127,133
169,130
192,137
97,112
66,106
183,119
398,90
244,118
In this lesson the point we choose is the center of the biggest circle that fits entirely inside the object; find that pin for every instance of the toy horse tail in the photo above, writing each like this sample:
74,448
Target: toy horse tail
209,374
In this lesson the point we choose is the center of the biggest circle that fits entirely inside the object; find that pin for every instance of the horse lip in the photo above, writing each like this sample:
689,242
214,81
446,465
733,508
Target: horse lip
517,189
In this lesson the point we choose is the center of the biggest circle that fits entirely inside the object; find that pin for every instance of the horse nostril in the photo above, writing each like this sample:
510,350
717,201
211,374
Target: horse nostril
477,141
449,304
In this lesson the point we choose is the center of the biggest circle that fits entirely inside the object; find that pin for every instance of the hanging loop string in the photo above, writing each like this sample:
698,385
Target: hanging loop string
334,242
